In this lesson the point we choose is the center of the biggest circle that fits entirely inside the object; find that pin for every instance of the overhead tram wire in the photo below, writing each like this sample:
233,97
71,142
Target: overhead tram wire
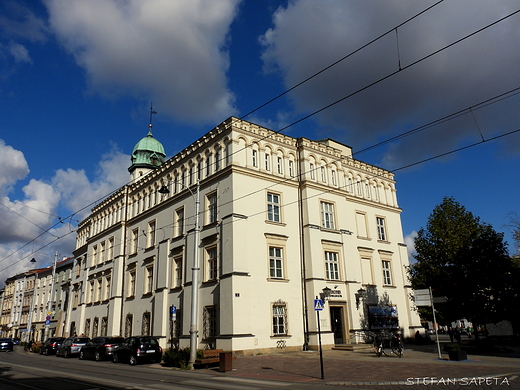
351,94
340,60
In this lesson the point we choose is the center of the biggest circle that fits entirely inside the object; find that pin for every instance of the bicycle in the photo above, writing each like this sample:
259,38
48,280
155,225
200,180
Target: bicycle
395,341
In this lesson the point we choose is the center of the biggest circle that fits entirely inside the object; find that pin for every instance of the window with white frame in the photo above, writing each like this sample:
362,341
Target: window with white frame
279,318
146,323
134,241
333,177
332,265
312,171
93,261
291,168
87,327
91,292
148,279
267,161
350,188
275,262
279,165
327,215
254,155
199,170
387,273
273,207
323,175
177,272
99,287
212,207
102,252
381,232
150,235
179,221
211,254
131,283
95,326
129,324
110,253
208,165
107,288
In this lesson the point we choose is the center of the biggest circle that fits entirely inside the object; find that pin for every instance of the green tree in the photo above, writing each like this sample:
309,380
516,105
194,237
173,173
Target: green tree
466,261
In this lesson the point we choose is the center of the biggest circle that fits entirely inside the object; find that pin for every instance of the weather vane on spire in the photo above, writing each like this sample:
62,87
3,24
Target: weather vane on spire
151,114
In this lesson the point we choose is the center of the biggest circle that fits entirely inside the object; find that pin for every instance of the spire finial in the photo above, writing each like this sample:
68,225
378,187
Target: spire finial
151,114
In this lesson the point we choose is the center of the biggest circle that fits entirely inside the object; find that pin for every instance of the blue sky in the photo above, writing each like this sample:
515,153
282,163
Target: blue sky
77,78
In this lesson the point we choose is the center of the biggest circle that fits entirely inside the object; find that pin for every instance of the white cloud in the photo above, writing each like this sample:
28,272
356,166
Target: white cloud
19,52
308,35
14,167
409,240
171,51
23,222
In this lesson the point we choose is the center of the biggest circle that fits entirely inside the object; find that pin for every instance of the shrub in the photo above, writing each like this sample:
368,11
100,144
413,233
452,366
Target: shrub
177,357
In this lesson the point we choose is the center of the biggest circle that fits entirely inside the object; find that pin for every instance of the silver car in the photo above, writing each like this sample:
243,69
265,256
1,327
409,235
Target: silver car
71,346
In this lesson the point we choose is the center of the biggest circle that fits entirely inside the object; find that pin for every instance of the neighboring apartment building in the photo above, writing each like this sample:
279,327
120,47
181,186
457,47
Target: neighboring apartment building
282,220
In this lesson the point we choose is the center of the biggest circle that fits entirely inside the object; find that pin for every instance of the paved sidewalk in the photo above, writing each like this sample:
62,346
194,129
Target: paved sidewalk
418,366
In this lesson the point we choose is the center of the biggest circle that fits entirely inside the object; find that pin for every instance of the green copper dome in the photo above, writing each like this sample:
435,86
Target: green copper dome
147,153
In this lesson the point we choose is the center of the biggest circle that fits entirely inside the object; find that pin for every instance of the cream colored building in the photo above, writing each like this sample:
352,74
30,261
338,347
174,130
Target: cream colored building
281,219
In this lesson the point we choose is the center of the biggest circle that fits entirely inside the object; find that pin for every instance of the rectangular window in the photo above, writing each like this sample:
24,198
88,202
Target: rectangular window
312,171
291,168
94,256
333,177
217,160
387,274
275,263
131,283
177,270
78,267
199,170
279,319
149,279
104,326
279,165
273,207
208,166
150,236
91,292
331,265
95,326
323,176
212,207
212,263
327,215
133,243
128,325
99,287
87,327
76,298
267,162
107,288
102,253
381,233
110,254
209,322
179,221
255,158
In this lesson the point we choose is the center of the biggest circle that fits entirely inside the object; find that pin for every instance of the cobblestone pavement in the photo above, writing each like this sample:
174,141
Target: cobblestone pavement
363,369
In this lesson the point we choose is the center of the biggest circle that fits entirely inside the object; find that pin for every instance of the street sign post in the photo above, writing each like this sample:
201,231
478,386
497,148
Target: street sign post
318,306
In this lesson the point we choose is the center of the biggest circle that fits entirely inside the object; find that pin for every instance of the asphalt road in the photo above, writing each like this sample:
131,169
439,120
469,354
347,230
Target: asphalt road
21,370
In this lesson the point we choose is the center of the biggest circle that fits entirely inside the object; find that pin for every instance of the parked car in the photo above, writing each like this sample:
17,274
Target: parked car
100,348
138,349
51,345
71,346
6,344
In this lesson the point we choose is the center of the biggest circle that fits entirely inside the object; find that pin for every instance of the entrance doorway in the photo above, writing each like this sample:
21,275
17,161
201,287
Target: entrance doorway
336,319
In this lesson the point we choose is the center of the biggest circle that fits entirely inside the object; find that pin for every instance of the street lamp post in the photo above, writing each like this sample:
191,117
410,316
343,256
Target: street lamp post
195,274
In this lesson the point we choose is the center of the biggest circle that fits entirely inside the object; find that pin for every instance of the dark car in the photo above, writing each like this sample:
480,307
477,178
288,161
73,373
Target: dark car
51,345
100,348
6,344
71,346
138,349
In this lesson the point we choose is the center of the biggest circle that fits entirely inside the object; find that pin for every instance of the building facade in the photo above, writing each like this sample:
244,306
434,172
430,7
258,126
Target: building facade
264,222
282,221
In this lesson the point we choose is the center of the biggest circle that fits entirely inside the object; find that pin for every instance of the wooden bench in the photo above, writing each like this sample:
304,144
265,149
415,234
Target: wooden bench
210,356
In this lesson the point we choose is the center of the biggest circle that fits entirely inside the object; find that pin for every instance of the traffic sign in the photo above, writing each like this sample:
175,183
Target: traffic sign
47,322
318,304
48,318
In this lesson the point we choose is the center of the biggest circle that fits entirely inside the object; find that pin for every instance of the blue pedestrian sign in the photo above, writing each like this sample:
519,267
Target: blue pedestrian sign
173,313
47,322
318,304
